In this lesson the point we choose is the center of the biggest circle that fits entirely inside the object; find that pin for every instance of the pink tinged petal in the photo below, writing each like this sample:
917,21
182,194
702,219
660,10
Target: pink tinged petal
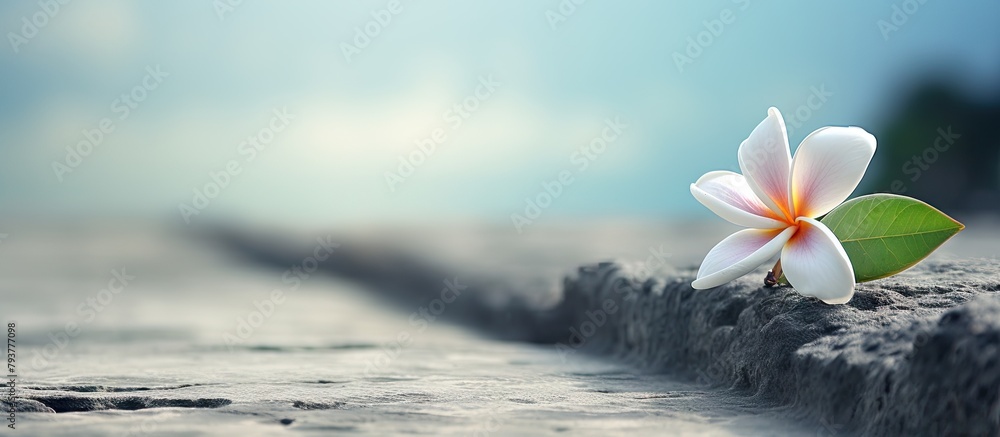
740,254
815,263
728,195
827,168
765,161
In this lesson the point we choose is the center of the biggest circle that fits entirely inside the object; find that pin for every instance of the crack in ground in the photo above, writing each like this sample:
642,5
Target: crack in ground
69,404
107,389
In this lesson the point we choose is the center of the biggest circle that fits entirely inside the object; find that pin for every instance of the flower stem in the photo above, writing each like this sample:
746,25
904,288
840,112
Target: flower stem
772,275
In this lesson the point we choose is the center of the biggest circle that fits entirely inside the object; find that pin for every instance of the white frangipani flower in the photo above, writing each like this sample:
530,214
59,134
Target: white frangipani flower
779,197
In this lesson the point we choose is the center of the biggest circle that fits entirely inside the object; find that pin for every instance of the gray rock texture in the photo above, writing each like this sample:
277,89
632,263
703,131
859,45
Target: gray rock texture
914,354
65,404
31,406
178,352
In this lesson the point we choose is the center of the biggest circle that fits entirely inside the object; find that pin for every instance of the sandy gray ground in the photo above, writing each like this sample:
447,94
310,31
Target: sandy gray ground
667,361
153,360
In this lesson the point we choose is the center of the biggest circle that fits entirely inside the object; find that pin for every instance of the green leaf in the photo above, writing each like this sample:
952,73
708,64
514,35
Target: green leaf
884,234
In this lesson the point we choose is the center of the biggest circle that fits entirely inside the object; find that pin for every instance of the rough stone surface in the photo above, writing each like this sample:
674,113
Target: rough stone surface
916,353
65,404
31,406
913,354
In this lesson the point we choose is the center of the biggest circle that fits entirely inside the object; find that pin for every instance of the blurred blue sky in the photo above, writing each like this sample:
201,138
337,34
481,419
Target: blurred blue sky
353,120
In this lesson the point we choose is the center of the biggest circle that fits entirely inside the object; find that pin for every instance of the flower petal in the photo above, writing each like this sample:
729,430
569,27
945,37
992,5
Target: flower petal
815,263
728,195
827,168
739,254
766,162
